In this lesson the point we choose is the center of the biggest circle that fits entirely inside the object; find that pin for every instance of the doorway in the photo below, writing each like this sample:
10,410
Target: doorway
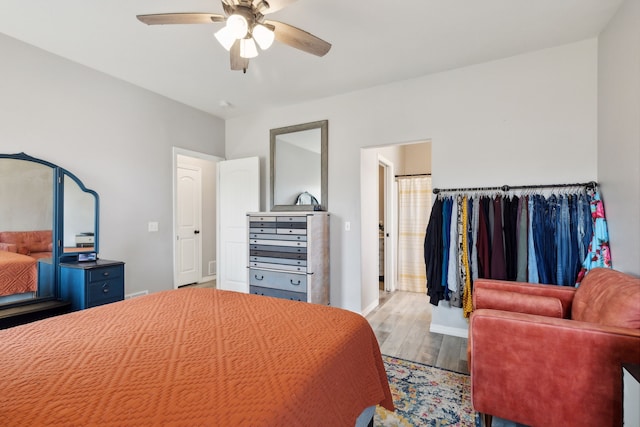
194,217
379,167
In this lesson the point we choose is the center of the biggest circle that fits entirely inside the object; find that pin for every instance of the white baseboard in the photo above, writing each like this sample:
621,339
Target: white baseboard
448,330
136,294
207,279
370,308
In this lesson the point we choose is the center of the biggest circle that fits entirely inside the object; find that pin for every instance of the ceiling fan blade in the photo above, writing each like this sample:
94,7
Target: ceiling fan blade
274,5
300,39
180,18
238,62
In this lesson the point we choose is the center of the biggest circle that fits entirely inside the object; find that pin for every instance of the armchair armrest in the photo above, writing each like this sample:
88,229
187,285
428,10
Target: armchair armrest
564,294
9,247
539,370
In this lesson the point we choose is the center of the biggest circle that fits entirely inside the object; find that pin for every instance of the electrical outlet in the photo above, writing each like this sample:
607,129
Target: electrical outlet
153,226
347,226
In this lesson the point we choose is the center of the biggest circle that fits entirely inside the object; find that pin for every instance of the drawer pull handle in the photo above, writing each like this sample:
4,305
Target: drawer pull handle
106,273
105,288
258,278
295,284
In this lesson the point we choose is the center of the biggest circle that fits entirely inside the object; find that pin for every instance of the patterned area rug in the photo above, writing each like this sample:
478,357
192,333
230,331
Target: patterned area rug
426,396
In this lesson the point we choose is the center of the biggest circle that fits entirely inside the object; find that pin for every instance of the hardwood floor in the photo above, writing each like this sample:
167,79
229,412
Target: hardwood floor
401,324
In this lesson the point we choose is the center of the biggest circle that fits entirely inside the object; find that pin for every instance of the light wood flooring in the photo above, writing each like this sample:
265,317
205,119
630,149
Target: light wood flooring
401,324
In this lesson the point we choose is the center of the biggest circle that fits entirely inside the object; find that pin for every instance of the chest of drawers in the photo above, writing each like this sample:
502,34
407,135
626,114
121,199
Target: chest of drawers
289,255
89,284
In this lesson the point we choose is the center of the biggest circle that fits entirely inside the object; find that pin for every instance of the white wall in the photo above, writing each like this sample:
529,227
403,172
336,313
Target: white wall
115,137
619,133
522,120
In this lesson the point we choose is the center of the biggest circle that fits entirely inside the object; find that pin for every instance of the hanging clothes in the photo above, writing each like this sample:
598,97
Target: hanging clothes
599,254
455,295
522,237
483,241
498,266
467,302
452,272
433,253
564,268
475,223
510,228
545,238
446,242
532,263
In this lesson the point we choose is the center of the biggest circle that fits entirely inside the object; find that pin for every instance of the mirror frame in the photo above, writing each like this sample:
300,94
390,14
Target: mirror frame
323,125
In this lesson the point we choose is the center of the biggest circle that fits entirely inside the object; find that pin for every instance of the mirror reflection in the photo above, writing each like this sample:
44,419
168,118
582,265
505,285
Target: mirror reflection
299,167
79,218
26,222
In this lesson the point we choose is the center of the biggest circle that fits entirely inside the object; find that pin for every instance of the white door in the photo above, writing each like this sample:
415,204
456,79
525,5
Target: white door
188,224
238,193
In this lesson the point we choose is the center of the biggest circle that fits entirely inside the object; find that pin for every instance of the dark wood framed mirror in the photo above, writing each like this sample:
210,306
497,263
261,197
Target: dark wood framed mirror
298,167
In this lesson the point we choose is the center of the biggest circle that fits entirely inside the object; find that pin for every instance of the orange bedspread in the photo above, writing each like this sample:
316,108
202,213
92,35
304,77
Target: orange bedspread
193,357
18,273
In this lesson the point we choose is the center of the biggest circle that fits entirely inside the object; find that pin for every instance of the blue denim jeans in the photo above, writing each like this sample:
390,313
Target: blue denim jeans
564,259
543,236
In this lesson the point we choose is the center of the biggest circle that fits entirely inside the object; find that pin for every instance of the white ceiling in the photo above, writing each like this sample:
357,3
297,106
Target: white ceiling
374,42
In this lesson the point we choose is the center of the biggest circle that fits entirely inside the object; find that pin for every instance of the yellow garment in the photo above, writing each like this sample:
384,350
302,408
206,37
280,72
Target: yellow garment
467,302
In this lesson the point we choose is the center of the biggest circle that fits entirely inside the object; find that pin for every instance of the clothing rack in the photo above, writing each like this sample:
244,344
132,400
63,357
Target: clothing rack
591,185
412,175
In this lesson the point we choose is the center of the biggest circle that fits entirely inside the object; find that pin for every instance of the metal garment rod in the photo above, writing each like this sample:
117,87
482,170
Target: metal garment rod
412,175
589,185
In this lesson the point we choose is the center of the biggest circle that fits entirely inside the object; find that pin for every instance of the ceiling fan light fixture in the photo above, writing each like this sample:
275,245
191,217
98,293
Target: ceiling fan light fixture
237,25
248,48
224,36
263,36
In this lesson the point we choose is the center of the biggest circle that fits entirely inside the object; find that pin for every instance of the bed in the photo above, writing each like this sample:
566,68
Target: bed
18,273
193,357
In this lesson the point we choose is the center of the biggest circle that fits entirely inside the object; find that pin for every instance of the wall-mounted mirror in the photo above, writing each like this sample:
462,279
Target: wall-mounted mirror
298,157
42,204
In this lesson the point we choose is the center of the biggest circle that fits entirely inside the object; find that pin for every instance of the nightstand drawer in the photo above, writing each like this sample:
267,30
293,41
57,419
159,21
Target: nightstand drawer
104,292
105,273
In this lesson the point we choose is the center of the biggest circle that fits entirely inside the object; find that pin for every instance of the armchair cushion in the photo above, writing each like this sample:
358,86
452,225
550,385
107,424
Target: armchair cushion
561,293
517,303
609,298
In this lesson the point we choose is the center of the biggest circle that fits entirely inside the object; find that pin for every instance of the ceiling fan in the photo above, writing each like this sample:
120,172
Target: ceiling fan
246,25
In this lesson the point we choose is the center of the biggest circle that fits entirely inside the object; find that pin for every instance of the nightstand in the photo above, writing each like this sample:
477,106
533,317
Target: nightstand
89,284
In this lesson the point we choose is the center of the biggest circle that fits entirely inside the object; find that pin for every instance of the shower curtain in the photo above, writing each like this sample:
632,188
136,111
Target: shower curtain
414,209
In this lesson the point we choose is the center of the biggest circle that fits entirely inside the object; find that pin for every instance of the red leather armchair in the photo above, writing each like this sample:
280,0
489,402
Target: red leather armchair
545,355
